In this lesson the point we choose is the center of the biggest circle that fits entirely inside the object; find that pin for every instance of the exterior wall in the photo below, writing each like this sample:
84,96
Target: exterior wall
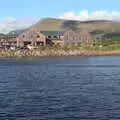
3,41
83,38
12,41
8,41
70,37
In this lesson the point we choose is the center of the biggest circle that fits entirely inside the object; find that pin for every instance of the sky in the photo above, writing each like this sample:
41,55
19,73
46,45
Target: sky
19,14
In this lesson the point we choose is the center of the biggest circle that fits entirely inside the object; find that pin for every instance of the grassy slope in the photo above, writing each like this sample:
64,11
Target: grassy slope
56,24
105,26
48,24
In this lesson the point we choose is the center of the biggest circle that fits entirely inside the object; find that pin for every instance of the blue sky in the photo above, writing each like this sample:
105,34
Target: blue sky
16,14
52,8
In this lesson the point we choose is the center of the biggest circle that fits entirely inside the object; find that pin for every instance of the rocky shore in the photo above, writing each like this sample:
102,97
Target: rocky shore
40,53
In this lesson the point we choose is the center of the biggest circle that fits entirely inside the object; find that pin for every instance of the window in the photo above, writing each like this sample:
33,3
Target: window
55,37
38,36
67,37
49,37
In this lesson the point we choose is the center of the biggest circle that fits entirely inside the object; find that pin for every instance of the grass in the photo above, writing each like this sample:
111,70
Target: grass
56,24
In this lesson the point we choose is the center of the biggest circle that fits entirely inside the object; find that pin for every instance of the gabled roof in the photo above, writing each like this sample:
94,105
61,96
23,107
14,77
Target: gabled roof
32,35
52,33
111,34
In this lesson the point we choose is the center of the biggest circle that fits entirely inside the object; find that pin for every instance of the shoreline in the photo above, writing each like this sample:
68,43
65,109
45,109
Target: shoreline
47,53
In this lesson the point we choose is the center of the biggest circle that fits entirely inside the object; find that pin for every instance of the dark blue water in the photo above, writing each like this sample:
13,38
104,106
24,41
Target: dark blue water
54,88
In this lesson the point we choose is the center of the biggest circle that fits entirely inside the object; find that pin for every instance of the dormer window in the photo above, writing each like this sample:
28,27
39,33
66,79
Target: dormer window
23,36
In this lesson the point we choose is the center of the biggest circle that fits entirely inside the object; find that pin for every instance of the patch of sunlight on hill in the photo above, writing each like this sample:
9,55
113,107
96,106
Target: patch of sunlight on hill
48,24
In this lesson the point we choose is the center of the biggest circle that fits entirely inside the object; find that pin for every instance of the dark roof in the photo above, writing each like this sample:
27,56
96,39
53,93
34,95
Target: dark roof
52,33
2,35
111,34
95,32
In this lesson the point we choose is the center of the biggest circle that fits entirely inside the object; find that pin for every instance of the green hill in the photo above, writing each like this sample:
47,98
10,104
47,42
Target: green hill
93,26
48,24
59,24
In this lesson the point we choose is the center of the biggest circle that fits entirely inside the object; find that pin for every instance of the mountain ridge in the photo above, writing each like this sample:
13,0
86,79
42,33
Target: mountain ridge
89,25
56,24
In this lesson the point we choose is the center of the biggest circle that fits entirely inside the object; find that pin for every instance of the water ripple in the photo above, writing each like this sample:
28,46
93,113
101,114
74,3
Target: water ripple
71,88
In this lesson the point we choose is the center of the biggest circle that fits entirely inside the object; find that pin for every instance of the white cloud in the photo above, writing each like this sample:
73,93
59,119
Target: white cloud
11,23
8,19
95,15
8,24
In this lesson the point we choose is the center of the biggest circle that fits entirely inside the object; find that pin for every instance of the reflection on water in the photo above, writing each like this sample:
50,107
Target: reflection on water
60,88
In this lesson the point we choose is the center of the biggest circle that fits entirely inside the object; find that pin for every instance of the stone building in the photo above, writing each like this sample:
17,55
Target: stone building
53,37
8,40
33,37
70,37
83,38
3,40
37,38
